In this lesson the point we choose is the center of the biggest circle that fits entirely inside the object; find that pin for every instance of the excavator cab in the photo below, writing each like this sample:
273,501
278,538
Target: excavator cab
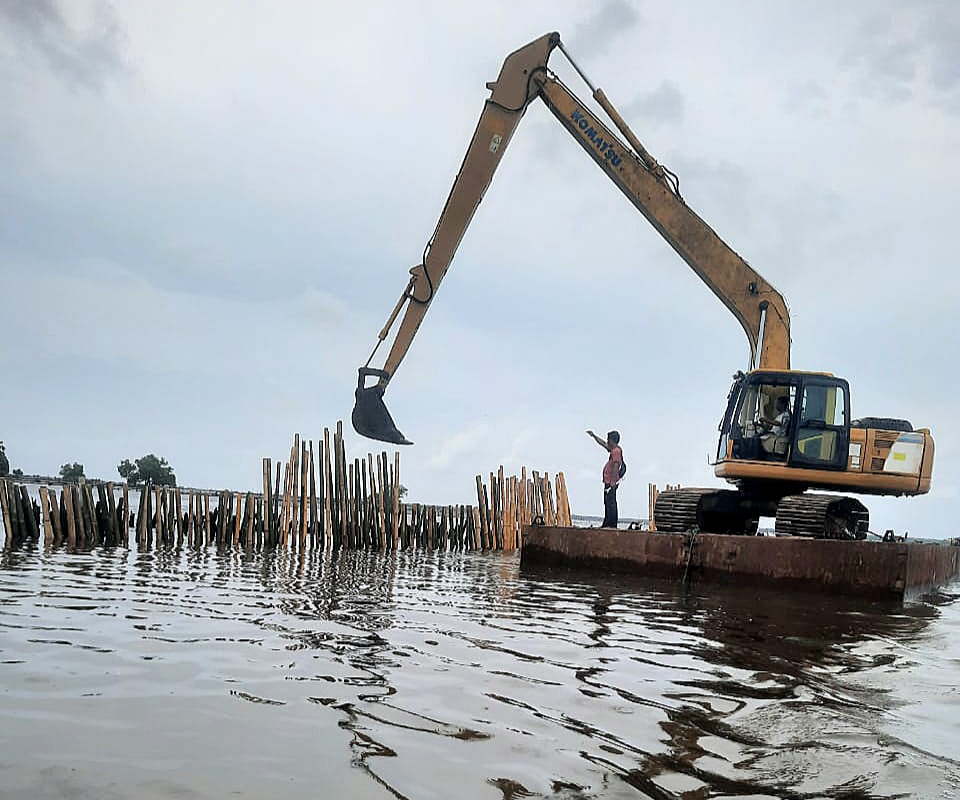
794,419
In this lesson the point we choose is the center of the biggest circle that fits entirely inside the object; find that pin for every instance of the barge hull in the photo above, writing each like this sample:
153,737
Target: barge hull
881,570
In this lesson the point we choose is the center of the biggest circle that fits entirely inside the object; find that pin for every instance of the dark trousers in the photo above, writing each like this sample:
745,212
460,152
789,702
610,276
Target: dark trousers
610,516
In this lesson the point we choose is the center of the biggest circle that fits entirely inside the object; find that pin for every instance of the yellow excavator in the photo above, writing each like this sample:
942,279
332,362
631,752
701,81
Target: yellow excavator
783,431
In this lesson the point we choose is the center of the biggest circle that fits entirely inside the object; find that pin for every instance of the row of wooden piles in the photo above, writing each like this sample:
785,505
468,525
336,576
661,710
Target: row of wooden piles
516,501
317,498
75,518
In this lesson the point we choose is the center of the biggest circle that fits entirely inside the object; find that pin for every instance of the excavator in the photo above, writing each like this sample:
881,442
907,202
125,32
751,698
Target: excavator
783,432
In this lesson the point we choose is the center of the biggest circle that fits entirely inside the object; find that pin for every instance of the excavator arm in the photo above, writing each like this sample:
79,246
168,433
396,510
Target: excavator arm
524,77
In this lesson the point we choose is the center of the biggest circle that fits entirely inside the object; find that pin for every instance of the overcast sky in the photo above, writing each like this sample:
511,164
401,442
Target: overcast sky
208,210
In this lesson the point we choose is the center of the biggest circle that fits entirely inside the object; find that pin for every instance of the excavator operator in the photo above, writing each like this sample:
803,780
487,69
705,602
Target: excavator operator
774,441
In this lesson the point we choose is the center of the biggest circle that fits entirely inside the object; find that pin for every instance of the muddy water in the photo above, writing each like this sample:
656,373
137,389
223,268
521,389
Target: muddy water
197,675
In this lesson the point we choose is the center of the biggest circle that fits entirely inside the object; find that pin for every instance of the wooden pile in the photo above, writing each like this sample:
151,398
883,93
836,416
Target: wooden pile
652,493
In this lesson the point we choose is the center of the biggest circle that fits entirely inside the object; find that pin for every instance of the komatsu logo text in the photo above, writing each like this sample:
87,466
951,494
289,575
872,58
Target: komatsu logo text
605,147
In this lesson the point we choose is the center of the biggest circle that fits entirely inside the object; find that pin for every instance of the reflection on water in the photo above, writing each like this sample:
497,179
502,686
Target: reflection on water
424,675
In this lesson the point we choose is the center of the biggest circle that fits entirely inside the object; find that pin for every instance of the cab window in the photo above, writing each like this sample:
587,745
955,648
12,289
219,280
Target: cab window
822,423
823,404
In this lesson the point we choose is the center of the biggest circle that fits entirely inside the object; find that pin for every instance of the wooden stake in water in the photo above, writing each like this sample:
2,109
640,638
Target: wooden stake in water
55,519
111,510
304,493
328,500
7,519
141,517
125,522
267,522
45,512
248,516
161,522
396,498
314,502
203,519
275,510
32,526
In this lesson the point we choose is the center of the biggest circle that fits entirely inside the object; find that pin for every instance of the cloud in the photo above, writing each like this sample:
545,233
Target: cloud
888,55
323,311
664,104
944,55
942,32
518,448
608,21
115,316
84,57
908,53
461,443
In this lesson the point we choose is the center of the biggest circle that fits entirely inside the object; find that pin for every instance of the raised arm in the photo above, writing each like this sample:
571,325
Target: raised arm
602,442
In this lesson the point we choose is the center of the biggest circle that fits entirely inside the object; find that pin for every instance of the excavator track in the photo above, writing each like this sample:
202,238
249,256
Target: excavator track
677,510
822,516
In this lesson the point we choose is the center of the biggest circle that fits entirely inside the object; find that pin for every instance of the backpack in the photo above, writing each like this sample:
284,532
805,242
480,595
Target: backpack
623,469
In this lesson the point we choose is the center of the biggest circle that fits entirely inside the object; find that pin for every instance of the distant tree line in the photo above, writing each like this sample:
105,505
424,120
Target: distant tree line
149,469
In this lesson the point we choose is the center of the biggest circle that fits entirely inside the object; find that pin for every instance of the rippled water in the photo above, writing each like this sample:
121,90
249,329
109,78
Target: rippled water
128,674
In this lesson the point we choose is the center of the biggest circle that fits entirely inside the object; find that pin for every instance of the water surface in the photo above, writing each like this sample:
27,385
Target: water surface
183,674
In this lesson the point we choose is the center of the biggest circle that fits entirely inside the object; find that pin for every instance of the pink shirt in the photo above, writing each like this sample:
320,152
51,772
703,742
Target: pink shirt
611,470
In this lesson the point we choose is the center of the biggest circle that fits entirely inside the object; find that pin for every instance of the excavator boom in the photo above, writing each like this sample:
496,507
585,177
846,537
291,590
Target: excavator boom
759,307
510,95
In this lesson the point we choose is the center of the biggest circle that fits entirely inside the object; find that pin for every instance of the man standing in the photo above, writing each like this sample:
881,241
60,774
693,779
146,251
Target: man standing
611,476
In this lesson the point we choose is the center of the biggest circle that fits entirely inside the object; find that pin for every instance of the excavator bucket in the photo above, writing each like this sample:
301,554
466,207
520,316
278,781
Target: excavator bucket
370,415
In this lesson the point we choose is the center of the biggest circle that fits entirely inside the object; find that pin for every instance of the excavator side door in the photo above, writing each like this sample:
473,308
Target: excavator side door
821,424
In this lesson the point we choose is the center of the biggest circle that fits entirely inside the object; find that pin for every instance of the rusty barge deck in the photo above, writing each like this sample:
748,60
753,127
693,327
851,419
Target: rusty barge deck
881,570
